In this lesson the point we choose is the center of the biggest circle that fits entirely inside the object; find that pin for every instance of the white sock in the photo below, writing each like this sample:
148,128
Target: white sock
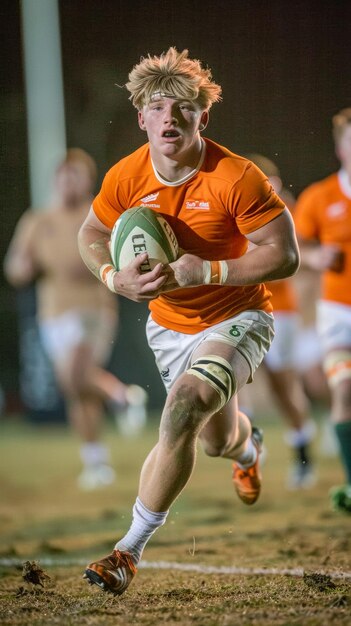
144,524
94,453
295,438
249,457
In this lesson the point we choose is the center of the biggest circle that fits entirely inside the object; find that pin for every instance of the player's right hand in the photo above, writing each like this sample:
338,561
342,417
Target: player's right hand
186,271
131,283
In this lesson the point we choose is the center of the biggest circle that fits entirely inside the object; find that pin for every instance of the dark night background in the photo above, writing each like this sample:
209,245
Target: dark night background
285,69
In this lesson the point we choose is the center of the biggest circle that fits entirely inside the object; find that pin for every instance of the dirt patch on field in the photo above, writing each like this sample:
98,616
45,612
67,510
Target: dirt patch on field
154,599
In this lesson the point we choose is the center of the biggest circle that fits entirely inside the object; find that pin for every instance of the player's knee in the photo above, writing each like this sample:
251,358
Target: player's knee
342,395
219,445
185,413
72,380
337,367
215,448
218,374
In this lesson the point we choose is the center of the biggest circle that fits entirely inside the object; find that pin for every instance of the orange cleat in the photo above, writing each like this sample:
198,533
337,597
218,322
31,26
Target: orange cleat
113,573
247,482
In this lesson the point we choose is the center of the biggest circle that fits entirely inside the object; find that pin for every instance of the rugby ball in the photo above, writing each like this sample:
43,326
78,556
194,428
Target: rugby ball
138,230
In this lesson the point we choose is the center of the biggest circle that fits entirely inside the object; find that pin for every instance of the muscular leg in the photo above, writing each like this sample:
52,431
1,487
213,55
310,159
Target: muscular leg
188,411
80,371
341,402
169,465
338,369
288,390
316,385
85,411
129,400
341,418
195,398
108,385
227,432
84,406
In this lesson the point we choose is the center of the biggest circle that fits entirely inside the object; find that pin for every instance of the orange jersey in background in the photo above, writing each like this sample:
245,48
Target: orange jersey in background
210,212
283,295
323,213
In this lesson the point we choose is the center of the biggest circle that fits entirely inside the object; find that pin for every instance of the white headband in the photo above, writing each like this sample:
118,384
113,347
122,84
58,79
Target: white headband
160,94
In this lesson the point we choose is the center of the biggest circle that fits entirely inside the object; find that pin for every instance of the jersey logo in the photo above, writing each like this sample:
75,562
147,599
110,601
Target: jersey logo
149,201
201,205
236,330
165,375
338,209
150,198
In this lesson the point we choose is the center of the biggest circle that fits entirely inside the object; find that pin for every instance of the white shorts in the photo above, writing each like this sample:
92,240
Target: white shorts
281,352
307,349
250,332
61,334
333,325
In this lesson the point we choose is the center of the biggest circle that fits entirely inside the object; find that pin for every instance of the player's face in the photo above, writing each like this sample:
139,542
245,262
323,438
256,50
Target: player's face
73,182
172,125
344,148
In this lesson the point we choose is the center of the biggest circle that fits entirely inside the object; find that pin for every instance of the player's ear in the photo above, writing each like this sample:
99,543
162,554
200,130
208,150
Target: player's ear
203,120
141,121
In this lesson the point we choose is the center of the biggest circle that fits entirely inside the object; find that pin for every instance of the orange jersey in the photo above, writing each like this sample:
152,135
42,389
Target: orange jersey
323,213
211,211
283,295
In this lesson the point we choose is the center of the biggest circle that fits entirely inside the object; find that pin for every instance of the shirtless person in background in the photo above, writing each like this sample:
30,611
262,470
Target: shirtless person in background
77,315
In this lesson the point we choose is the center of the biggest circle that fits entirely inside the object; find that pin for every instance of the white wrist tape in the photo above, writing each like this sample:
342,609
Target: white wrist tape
215,272
107,273
224,271
206,265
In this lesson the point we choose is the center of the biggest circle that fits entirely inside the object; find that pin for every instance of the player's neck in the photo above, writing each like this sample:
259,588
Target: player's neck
344,176
347,169
71,204
176,168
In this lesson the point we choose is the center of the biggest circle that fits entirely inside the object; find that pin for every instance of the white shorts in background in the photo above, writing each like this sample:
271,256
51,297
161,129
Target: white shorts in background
333,325
250,332
61,334
281,353
307,349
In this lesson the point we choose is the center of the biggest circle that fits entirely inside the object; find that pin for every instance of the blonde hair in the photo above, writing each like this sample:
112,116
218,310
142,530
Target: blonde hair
340,121
172,73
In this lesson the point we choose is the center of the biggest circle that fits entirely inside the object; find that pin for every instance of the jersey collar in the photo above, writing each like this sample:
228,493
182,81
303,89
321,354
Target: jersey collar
184,179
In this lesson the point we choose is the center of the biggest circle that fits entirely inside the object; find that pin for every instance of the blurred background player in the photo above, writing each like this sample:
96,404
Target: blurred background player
279,362
77,315
323,221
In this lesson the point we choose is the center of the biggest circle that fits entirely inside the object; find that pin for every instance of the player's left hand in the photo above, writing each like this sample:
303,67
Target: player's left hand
187,271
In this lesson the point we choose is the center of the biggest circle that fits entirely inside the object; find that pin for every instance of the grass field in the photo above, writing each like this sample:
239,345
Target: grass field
294,551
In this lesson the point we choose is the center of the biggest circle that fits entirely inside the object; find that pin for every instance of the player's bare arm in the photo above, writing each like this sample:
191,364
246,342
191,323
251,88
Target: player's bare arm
93,238
275,255
93,242
19,264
